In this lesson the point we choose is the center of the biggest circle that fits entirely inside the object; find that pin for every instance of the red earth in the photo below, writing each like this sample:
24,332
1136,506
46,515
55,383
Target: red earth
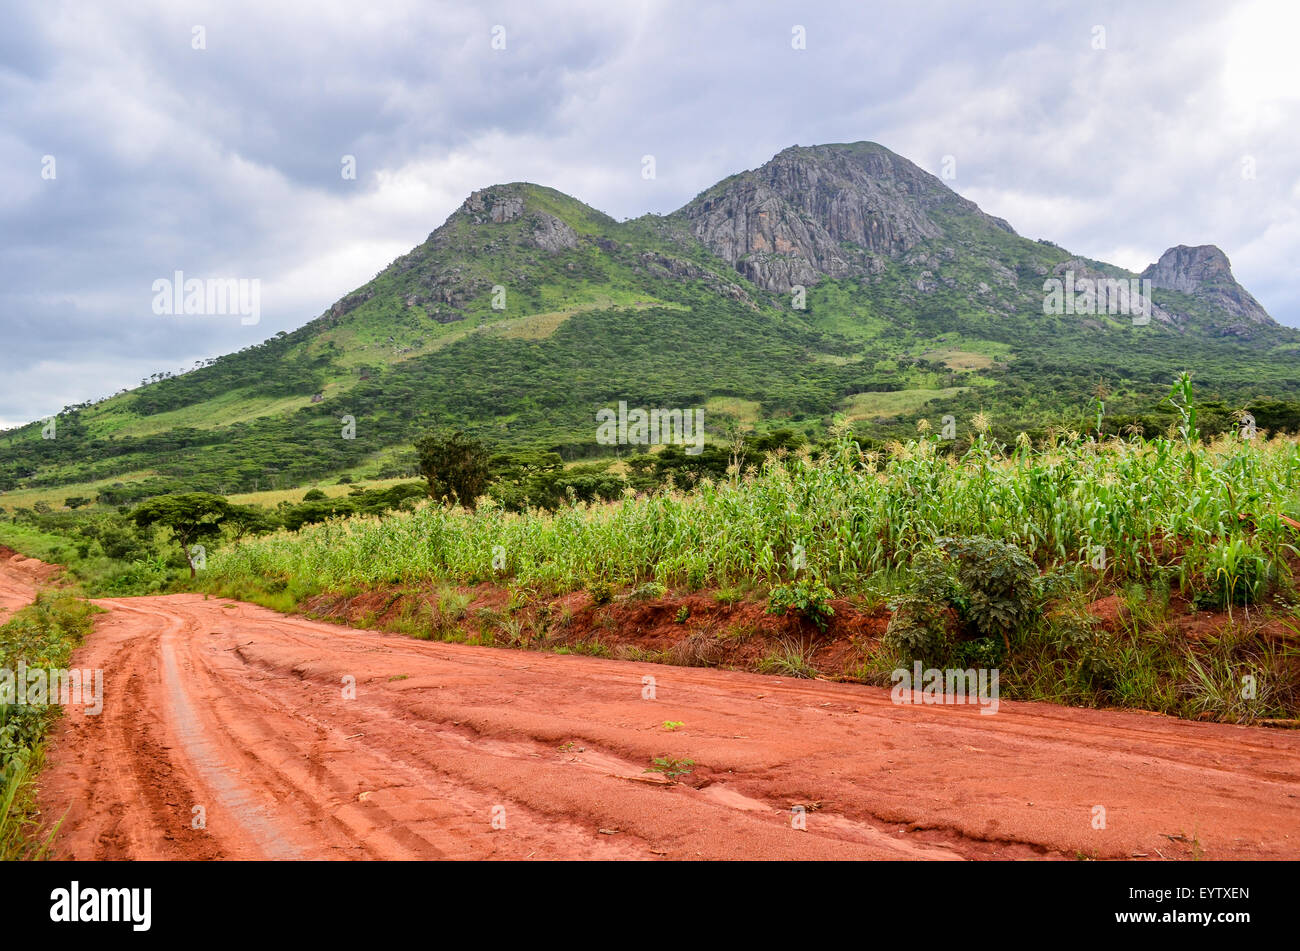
231,732
19,580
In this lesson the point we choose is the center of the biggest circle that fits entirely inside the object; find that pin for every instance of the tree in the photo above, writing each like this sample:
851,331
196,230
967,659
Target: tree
455,466
76,501
251,520
527,477
191,516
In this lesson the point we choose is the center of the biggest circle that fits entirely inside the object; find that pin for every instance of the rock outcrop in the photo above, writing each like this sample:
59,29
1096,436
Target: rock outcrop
832,210
1204,273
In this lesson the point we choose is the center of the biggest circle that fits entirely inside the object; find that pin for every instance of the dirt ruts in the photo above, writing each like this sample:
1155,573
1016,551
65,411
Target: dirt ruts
229,732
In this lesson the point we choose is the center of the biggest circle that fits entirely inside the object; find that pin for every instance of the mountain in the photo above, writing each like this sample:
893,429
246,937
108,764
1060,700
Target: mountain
1204,275
827,211
835,280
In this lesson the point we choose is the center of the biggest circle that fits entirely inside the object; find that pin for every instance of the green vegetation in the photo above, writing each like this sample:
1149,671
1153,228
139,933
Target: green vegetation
809,599
190,517
991,556
455,467
40,635
791,658
636,311
976,594
1156,507
670,767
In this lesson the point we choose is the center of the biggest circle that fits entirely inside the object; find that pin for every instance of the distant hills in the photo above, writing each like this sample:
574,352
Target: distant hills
835,280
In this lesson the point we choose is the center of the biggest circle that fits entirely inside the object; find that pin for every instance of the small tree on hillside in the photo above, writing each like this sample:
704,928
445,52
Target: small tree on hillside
191,516
455,467
250,520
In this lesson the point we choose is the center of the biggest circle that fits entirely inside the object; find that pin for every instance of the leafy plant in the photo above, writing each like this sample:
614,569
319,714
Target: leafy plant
809,599
601,592
997,580
648,591
670,767
969,597
1236,575
922,626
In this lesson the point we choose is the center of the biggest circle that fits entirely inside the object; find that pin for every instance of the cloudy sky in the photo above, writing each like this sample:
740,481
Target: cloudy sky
137,140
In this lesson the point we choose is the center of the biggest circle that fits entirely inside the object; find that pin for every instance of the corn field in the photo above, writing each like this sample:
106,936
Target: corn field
1127,509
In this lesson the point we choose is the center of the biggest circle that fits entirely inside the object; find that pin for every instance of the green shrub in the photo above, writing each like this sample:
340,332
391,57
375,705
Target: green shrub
650,591
998,581
923,622
809,599
601,592
968,598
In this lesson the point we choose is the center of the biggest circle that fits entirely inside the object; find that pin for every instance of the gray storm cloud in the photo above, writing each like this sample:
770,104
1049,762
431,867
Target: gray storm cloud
224,161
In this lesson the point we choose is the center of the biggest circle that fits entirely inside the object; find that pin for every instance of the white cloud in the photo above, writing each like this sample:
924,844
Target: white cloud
226,161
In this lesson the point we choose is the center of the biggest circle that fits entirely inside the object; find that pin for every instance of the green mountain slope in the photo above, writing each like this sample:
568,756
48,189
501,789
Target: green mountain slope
836,279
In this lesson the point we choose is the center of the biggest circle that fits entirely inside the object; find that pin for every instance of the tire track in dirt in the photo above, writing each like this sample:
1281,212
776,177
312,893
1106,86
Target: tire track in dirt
242,710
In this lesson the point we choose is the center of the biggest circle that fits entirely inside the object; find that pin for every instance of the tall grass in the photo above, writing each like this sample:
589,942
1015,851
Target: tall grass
1131,510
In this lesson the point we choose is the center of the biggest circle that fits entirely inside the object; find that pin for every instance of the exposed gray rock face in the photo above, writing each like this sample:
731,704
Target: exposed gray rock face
498,203
351,302
1186,269
665,266
502,203
833,210
552,234
1203,272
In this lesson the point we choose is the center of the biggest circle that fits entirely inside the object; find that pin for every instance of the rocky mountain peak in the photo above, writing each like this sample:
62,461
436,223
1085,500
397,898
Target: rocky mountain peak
497,203
1203,272
1185,269
826,210
501,204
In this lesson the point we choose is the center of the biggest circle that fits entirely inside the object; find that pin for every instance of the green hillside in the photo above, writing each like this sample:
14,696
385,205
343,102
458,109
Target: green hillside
528,311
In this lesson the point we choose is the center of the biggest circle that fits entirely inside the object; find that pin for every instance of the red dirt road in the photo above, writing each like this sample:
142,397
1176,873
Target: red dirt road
241,711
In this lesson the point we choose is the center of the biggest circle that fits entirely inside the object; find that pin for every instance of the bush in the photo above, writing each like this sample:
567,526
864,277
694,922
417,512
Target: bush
649,591
969,597
998,580
1079,636
924,621
601,592
808,598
